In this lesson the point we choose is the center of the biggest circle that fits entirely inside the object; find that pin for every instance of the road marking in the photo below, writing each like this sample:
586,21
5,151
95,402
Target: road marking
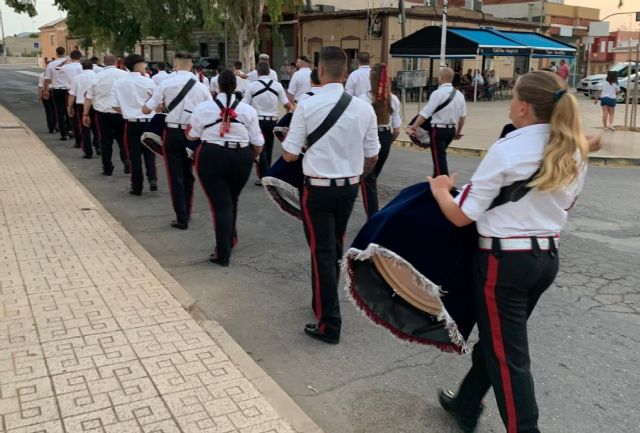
33,74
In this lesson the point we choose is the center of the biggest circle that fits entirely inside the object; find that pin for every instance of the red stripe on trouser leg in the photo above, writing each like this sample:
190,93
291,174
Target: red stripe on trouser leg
212,207
95,118
78,117
312,247
127,151
365,199
498,343
434,152
166,169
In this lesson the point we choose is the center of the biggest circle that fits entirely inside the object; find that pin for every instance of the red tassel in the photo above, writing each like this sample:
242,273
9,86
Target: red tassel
383,83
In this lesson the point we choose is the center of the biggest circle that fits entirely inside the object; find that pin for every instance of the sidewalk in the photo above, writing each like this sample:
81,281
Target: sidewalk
94,334
486,119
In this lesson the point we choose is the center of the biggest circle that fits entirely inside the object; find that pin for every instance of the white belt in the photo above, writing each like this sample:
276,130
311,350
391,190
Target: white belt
518,244
143,120
384,128
59,88
269,118
443,125
228,144
317,181
177,125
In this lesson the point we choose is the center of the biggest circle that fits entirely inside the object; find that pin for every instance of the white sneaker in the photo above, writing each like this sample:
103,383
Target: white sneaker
611,128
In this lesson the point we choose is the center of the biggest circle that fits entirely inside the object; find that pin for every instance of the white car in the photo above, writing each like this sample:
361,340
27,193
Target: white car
590,85
627,85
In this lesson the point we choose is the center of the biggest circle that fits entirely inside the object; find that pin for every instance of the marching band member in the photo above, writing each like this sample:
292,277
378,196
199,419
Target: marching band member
518,255
447,110
71,70
129,96
55,89
387,108
338,153
315,85
75,107
253,75
110,124
241,78
264,95
199,72
300,81
179,166
49,109
230,140
359,81
162,74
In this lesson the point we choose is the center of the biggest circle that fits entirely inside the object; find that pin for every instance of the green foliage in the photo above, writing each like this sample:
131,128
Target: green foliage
22,7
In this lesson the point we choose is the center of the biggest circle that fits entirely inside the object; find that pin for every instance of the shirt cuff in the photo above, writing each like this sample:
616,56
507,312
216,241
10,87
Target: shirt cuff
291,148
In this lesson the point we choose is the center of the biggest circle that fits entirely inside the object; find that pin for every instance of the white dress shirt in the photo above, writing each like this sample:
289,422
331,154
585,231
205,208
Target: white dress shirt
310,93
341,151
160,77
169,90
246,131
395,120
477,78
253,75
204,80
99,92
300,83
608,90
517,157
213,84
130,93
70,71
97,68
266,103
54,73
41,81
450,114
359,81
80,85
242,84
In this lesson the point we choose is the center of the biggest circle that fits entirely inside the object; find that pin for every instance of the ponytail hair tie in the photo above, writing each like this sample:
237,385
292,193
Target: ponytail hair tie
559,94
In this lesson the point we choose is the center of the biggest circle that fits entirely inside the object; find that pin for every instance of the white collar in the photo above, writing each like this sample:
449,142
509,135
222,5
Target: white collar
538,128
332,87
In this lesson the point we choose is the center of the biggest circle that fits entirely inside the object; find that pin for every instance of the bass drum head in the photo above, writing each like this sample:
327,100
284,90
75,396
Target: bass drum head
286,196
153,142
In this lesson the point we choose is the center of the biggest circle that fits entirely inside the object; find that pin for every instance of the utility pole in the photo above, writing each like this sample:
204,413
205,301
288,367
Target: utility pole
4,41
443,37
403,19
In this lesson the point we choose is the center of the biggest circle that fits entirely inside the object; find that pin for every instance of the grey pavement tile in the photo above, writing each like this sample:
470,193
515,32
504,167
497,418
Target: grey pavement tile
50,426
22,363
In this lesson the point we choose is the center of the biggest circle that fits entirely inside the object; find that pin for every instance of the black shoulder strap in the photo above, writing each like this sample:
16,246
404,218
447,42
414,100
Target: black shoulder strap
310,93
267,88
513,192
330,120
445,103
178,99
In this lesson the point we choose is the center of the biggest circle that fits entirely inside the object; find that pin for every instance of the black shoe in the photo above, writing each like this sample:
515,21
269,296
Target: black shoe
258,182
179,225
153,185
467,421
98,152
127,167
71,135
134,192
107,173
213,258
313,331
51,131
76,146
87,156
63,138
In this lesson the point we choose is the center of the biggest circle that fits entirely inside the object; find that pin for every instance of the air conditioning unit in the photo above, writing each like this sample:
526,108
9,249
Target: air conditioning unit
325,8
474,5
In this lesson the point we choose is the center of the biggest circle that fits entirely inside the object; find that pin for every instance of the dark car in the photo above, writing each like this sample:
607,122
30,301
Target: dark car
152,67
208,64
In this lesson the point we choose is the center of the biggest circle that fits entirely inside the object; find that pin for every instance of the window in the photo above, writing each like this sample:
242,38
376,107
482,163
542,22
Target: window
610,47
603,45
52,41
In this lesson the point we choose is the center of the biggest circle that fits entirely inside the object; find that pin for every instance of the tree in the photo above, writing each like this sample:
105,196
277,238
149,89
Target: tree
245,16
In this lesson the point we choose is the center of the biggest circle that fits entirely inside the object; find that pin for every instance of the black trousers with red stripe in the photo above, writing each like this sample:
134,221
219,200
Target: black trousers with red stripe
326,214
441,138
110,127
50,113
59,97
507,288
84,133
369,184
223,173
136,152
179,173
264,161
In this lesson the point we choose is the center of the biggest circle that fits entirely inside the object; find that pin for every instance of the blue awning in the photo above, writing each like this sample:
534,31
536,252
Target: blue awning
541,46
492,43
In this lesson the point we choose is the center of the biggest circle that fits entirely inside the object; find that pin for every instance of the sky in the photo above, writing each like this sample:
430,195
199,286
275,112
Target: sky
14,23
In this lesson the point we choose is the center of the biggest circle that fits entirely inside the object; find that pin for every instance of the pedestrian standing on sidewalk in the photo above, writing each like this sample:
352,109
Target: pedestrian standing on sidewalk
387,108
341,139
55,88
110,124
517,258
129,96
75,107
446,112
230,140
608,95
49,109
184,92
265,95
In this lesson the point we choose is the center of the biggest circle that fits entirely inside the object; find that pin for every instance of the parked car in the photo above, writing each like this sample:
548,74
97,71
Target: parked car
627,85
209,64
591,84
153,67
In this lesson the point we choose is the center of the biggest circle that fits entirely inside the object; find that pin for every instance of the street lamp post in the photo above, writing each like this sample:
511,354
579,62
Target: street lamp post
443,37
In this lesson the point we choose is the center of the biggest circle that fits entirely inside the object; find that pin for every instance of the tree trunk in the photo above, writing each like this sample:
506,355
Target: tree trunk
246,46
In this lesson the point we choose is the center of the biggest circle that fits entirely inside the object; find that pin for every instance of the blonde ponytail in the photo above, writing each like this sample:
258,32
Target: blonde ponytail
567,150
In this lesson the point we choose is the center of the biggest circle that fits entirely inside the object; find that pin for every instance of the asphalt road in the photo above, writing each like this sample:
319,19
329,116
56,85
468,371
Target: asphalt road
585,333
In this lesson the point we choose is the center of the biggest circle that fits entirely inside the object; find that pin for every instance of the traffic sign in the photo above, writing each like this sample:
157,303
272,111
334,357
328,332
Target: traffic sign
36,45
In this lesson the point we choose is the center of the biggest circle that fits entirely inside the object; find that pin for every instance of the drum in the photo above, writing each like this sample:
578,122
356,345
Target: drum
410,271
153,132
421,137
283,182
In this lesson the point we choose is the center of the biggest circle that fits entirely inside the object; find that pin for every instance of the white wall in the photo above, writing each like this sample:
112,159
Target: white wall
515,10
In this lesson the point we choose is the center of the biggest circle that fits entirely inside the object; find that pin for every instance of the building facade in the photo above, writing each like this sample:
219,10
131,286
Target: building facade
606,51
18,46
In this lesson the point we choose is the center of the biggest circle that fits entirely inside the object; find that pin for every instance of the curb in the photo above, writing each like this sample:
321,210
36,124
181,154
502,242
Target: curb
594,160
273,393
